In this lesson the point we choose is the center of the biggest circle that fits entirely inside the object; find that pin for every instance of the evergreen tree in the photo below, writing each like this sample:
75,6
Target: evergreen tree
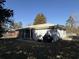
40,19
5,16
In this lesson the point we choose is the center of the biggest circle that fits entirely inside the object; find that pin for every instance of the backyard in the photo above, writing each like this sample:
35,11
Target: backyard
25,49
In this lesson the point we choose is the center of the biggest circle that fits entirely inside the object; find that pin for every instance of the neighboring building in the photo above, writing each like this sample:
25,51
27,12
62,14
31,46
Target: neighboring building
11,34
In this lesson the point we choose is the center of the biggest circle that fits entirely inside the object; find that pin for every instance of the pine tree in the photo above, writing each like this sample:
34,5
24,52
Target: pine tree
40,19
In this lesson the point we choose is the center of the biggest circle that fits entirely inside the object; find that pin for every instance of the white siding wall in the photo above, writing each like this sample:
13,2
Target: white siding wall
62,33
38,34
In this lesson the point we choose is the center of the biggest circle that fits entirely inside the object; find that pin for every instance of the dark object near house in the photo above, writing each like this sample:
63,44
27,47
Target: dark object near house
47,38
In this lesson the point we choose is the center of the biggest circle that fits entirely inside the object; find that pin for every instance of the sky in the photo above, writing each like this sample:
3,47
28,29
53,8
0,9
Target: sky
55,11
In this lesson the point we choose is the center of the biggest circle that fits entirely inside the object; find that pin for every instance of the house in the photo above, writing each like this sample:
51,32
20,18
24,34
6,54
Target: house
38,32
33,32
